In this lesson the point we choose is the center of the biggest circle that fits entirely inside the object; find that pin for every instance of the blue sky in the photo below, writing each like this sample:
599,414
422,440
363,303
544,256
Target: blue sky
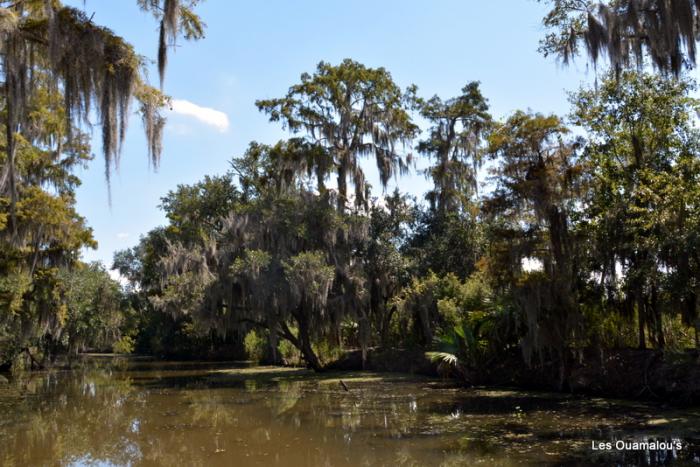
257,49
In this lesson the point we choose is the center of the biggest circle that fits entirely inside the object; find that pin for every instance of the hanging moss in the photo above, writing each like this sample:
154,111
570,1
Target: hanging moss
93,68
626,32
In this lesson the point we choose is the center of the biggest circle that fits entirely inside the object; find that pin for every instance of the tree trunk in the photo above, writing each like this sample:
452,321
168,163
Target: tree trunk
342,184
386,324
10,135
306,350
640,318
364,332
658,323
422,324
35,365
562,370
302,342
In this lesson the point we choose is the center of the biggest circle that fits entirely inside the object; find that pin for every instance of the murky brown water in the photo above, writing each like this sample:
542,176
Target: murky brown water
119,412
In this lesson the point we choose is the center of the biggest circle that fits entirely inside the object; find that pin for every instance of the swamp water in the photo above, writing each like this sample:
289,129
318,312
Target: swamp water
134,412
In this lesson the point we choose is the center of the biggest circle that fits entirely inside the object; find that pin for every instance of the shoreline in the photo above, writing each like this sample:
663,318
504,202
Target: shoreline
633,375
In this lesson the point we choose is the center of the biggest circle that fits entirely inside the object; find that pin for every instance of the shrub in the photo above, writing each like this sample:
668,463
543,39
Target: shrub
124,345
255,344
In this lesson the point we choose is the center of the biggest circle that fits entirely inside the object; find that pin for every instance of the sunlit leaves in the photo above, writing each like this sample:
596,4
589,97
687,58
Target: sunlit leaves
455,142
640,211
353,112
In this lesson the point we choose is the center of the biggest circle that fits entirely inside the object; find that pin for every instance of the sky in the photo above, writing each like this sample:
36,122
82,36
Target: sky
257,49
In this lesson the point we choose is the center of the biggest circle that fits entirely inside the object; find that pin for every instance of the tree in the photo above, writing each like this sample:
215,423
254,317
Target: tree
153,331
274,262
640,216
176,17
58,67
386,266
625,31
537,181
455,142
351,111
310,278
48,233
94,308
90,66
195,211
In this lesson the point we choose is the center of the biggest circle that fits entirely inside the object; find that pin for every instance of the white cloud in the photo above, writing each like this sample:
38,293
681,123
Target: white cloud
211,117
123,235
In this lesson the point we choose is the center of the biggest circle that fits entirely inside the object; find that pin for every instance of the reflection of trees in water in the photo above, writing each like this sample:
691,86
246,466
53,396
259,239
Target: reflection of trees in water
364,425
371,410
155,419
58,417
208,408
93,416
287,394
100,415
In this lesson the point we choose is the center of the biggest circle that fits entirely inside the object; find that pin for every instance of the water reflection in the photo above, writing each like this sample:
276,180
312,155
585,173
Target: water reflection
118,412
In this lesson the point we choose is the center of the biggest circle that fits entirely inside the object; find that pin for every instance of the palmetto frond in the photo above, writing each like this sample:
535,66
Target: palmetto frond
443,357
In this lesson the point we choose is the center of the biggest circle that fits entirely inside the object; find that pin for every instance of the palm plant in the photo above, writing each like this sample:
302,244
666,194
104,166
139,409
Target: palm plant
461,349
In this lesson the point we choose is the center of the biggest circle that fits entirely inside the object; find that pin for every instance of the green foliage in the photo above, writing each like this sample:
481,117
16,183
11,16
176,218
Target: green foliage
577,245
42,234
351,111
457,349
195,211
587,241
385,266
310,278
125,345
437,237
610,330
640,215
455,142
90,67
268,256
290,354
256,346
530,214
59,67
13,286
94,308
439,303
